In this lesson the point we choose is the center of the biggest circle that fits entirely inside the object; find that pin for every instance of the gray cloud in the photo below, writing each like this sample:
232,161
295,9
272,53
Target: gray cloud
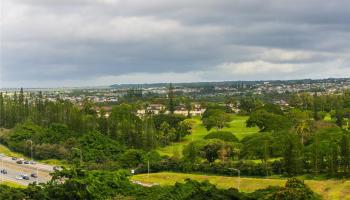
79,42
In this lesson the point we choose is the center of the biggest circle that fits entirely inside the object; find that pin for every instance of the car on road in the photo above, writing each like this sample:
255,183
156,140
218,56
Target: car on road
57,168
14,158
32,162
26,162
3,171
34,175
22,177
19,162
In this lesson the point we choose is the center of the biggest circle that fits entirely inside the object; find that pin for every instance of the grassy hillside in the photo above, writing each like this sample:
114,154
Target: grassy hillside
8,152
329,189
236,126
11,184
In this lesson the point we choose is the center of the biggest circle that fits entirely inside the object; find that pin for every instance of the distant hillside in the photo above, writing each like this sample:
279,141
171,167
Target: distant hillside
231,83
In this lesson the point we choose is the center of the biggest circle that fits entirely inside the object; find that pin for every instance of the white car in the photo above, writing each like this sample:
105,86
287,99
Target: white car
19,177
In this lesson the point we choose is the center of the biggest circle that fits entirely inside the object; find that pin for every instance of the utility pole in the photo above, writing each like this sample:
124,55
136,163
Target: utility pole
37,175
239,176
2,168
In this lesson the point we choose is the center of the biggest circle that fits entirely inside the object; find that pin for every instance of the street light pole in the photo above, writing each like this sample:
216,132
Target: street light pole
239,176
2,168
37,175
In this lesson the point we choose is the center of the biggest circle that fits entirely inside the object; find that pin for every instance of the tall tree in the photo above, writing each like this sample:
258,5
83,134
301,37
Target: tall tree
345,154
292,155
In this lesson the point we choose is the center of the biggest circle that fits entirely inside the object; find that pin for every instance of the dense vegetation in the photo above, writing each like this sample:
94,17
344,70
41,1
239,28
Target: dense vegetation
61,129
81,184
308,136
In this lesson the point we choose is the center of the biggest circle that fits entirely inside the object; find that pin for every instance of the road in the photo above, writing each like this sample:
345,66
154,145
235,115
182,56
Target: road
14,170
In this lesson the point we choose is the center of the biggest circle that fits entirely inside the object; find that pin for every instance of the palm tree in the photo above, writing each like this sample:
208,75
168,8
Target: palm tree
302,129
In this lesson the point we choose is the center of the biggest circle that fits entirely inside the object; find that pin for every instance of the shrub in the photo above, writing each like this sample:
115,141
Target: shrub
222,135
295,190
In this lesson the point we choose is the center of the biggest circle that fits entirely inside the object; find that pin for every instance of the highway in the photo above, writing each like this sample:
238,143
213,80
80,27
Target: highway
14,170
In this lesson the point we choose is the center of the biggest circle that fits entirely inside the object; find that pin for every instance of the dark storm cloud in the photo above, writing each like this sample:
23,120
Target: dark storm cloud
59,42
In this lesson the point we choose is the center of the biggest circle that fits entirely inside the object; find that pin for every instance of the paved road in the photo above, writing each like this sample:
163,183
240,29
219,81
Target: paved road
14,170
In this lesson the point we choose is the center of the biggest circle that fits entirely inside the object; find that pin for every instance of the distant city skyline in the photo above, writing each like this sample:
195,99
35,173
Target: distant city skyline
73,43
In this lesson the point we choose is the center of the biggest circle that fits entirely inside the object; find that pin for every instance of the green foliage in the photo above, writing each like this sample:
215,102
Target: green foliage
92,185
171,127
132,158
194,190
249,104
222,135
209,149
295,190
56,133
272,108
263,145
99,148
125,126
215,118
10,193
267,121
292,155
193,150
80,184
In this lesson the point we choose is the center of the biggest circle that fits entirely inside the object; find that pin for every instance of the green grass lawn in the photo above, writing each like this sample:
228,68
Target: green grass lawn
237,126
329,189
8,152
11,184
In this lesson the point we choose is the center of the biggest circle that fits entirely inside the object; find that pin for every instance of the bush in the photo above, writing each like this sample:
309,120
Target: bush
295,190
222,135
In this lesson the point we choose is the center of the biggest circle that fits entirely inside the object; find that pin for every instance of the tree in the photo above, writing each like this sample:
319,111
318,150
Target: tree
132,158
11,193
250,104
194,150
171,127
222,135
292,155
167,133
150,132
267,121
126,126
345,153
99,148
212,150
295,190
216,118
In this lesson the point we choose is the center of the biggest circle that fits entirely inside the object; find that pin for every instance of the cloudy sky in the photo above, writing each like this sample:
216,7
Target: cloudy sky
47,43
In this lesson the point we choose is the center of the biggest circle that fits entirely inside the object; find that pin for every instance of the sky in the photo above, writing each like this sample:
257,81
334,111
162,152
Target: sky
55,43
